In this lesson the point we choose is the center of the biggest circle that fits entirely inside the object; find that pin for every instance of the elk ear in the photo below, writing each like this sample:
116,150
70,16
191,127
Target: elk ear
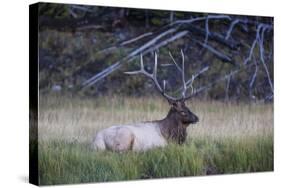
171,103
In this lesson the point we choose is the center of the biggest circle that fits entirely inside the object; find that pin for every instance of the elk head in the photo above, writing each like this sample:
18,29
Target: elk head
182,113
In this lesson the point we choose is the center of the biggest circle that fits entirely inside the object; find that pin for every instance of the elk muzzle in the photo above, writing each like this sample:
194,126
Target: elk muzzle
194,119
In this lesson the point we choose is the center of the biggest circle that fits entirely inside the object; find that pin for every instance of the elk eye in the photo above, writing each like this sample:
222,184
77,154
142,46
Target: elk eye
183,113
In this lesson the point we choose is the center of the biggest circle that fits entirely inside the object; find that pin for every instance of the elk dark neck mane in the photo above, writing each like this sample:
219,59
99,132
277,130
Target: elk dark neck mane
172,128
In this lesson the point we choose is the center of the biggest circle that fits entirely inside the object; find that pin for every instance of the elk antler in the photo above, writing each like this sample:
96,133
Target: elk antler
188,84
153,76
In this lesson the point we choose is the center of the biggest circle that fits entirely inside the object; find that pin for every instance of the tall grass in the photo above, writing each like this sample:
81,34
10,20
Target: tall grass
229,138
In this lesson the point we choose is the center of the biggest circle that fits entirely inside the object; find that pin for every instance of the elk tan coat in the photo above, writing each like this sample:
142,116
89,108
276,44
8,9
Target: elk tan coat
147,135
139,137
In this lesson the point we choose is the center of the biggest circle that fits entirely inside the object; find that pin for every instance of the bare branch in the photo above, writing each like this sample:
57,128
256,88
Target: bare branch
217,37
261,47
107,50
223,78
201,19
210,85
167,41
251,52
116,65
218,54
257,40
253,79
207,30
71,12
136,38
233,23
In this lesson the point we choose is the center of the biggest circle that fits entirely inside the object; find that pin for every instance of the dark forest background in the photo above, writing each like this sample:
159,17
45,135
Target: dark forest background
85,50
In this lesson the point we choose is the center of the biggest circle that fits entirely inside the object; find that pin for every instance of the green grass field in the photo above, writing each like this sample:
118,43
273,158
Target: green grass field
229,138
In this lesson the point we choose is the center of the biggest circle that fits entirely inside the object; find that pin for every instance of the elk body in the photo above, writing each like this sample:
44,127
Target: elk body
148,135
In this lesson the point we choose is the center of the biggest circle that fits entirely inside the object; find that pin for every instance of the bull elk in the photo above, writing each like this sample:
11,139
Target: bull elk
148,135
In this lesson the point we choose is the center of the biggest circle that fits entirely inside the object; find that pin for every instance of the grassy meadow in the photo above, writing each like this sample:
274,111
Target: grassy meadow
229,138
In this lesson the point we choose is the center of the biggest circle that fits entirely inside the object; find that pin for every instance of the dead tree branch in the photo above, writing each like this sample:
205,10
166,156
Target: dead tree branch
261,47
212,17
143,49
214,51
253,79
208,38
233,23
223,78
